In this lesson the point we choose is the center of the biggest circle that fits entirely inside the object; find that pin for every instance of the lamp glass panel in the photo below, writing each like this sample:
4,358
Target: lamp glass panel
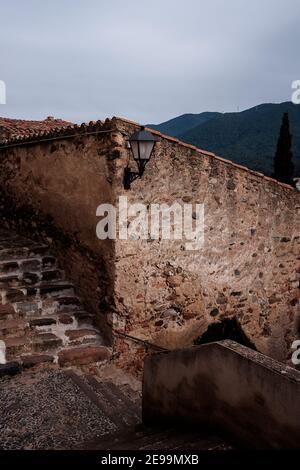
146,148
135,149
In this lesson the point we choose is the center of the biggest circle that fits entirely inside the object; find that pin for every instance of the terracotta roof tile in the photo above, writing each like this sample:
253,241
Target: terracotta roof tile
18,132
15,129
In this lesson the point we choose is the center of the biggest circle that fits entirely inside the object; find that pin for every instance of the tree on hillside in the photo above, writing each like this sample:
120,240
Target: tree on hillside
283,164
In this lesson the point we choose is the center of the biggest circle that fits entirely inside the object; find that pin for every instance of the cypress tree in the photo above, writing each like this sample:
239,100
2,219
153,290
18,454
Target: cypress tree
283,164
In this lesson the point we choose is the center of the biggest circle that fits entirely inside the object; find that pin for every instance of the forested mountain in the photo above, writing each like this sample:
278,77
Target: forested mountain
248,137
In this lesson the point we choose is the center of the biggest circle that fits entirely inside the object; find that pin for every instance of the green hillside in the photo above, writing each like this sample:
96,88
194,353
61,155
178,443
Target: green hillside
249,137
183,123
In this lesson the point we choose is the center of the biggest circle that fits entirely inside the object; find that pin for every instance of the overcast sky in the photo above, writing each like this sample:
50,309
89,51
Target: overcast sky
149,61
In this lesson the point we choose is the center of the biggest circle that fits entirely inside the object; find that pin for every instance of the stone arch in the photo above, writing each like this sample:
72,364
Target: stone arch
228,328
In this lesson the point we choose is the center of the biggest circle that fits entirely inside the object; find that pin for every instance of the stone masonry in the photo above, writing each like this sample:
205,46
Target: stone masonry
155,290
248,267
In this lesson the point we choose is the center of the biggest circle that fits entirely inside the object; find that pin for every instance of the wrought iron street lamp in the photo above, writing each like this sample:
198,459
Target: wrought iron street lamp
142,145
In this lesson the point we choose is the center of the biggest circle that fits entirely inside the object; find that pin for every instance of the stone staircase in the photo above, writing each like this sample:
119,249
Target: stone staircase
122,407
59,408
42,320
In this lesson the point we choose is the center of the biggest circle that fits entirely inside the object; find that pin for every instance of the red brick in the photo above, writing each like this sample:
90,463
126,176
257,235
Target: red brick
12,327
83,355
16,346
6,309
15,295
42,321
44,341
75,334
36,359
65,319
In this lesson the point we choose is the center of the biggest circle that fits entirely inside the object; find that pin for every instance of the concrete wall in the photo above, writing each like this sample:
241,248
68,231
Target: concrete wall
251,397
247,268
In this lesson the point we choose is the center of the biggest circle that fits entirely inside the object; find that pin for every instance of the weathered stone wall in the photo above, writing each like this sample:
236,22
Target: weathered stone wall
157,290
247,268
52,189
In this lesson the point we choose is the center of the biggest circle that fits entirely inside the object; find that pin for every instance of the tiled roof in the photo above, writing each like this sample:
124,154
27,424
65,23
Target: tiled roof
12,129
38,131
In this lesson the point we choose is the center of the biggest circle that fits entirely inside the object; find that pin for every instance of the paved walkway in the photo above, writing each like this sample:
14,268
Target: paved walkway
72,409
47,410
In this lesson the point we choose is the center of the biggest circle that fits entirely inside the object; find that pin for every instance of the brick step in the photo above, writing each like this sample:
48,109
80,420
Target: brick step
50,306
68,303
28,263
7,311
13,328
23,354
41,290
50,309
60,318
83,355
35,322
83,336
55,287
32,360
22,251
126,412
46,346
45,342
18,242
81,316
34,279
67,317
25,362
41,318
71,334
40,342
17,346
11,265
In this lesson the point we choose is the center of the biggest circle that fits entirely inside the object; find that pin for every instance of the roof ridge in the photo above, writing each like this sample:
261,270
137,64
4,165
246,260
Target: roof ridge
48,118
210,154
34,135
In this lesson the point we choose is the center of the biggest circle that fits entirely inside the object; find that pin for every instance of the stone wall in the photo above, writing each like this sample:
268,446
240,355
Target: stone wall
248,267
52,189
157,290
251,397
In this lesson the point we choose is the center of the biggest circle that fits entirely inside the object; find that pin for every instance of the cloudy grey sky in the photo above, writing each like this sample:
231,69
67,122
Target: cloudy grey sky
148,61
